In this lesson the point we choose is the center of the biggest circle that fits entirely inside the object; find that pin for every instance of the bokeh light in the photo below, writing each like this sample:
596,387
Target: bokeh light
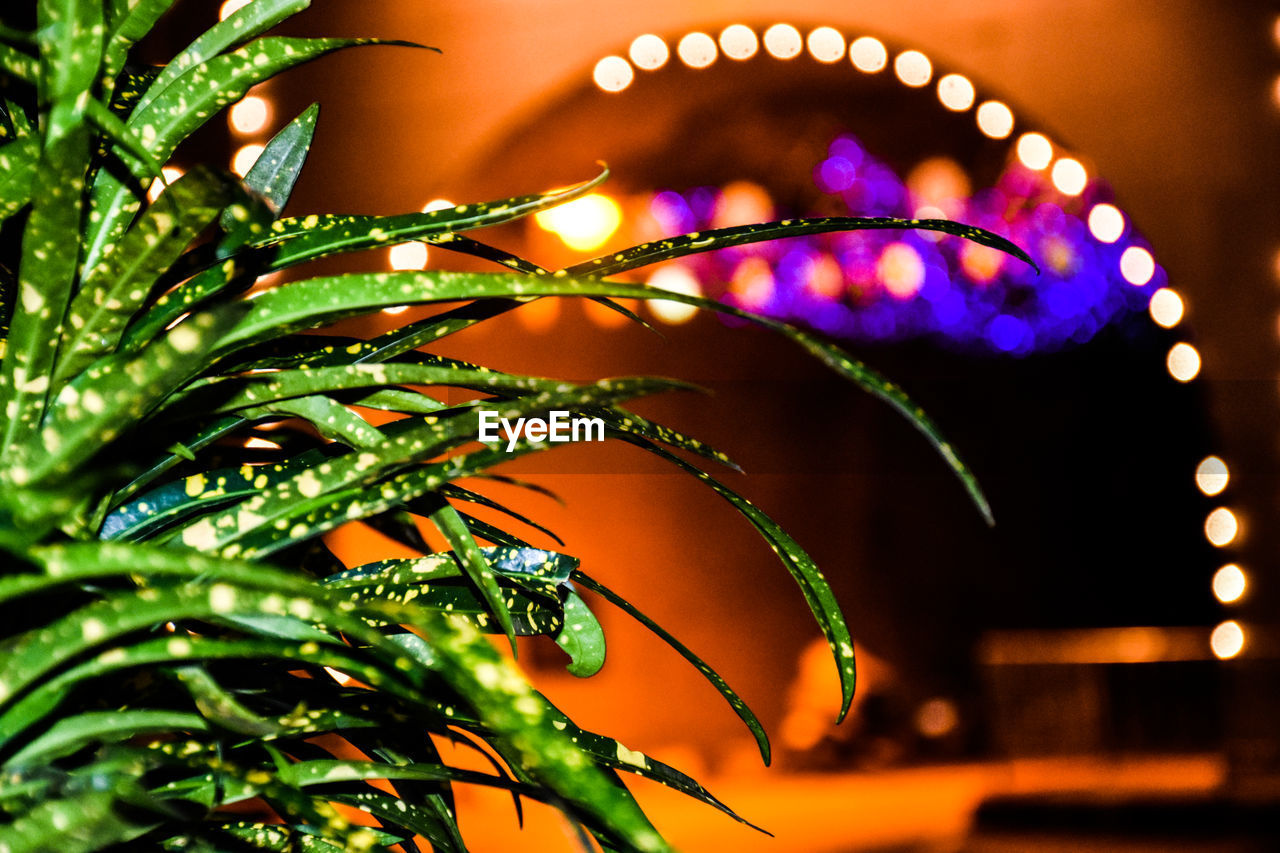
1183,362
1229,583
868,54
955,92
649,52
613,74
1069,176
584,224
826,44
1212,475
901,270
1034,150
913,68
738,41
1221,527
783,41
1137,266
1227,640
995,119
249,115
1166,307
676,279
945,289
171,174
407,256
1106,222
937,718
244,158
697,50
230,7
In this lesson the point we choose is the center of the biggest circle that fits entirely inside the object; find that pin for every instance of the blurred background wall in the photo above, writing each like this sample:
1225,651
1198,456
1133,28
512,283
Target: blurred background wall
978,642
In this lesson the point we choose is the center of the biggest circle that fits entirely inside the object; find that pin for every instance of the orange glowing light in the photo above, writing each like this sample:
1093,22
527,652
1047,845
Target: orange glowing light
995,119
1227,640
901,270
1229,583
613,74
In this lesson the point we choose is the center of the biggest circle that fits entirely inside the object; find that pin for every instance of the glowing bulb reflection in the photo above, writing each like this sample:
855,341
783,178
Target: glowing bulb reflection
1166,307
783,41
739,41
230,7
1227,640
249,115
676,279
245,158
1221,527
697,50
868,55
583,224
913,68
995,119
613,74
826,44
956,92
1183,362
1137,266
408,256
1212,475
649,52
171,174
1069,176
1229,583
1034,150
1106,223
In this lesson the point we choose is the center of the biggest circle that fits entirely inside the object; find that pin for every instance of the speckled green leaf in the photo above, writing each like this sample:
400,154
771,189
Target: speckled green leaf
248,21
314,302
17,64
475,564
582,638
298,240
18,160
817,593
275,172
125,28
70,37
86,822
115,290
735,701
437,825
526,723
185,105
71,733
45,281
722,238
224,270
458,493
114,131
327,495
156,467
610,753
172,502
245,392
331,419
8,293
467,246
117,391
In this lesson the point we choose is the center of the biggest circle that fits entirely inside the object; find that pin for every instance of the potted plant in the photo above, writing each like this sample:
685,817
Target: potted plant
173,622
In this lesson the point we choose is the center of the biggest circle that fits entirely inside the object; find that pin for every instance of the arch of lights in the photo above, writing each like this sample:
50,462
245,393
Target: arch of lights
882,286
